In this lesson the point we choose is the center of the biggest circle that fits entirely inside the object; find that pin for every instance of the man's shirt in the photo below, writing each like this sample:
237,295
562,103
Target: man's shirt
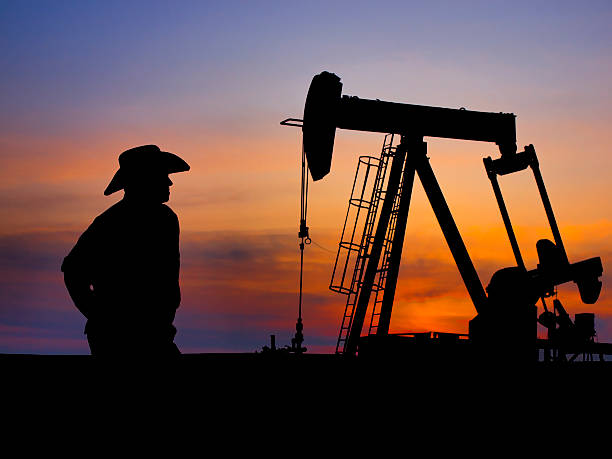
130,257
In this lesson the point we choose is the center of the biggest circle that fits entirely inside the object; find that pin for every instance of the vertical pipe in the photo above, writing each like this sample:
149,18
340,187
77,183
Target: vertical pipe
451,233
368,278
384,320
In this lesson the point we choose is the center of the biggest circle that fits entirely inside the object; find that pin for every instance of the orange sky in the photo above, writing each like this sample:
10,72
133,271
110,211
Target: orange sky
213,89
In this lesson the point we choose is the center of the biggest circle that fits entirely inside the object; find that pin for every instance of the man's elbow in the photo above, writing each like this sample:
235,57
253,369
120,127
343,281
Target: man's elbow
79,290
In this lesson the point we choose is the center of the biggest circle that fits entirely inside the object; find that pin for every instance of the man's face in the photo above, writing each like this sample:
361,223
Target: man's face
160,188
152,187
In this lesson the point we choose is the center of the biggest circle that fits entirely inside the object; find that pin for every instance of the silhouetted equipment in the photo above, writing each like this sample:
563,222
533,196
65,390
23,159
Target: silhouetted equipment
326,110
304,236
355,245
368,259
554,267
570,337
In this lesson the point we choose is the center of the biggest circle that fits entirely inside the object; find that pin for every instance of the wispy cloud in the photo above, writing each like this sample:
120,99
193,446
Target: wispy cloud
239,287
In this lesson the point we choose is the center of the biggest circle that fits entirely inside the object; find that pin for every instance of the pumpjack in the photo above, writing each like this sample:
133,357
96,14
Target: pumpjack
506,313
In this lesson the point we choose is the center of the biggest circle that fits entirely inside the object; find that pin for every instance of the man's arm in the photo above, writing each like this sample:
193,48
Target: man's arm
174,263
170,261
76,273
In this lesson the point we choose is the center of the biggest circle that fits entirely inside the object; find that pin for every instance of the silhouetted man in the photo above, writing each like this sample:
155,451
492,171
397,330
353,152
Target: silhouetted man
123,273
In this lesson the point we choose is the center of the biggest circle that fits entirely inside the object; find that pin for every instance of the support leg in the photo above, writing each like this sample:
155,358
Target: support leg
395,256
451,233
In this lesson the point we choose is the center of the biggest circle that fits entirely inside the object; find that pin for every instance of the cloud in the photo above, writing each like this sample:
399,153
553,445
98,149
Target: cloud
40,340
248,282
240,287
39,252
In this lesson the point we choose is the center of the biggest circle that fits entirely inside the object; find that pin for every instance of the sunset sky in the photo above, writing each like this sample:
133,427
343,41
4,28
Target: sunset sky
82,81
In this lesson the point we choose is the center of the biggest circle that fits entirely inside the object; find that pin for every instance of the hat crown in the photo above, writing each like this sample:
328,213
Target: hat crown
138,156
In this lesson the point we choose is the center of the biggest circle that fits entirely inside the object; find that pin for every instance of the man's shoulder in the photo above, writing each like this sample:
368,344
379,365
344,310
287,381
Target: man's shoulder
121,211
115,211
90,239
168,211
168,214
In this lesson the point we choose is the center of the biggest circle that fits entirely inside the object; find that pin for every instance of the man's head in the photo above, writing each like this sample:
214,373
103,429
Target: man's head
143,173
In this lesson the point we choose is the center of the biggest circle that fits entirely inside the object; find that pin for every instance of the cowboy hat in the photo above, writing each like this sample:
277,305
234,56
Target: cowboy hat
139,161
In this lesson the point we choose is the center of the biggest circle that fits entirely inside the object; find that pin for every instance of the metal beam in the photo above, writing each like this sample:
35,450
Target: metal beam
451,233
395,257
391,117
504,212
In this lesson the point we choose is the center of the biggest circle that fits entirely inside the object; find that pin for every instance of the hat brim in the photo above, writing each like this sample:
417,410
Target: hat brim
169,162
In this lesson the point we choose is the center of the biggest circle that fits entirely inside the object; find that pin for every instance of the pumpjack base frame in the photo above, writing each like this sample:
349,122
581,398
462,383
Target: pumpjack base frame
416,347
457,348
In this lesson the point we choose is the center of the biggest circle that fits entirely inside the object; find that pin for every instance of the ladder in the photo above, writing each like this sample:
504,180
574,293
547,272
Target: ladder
381,275
362,249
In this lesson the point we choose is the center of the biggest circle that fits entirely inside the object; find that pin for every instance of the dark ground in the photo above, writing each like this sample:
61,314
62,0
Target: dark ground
226,399
279,375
